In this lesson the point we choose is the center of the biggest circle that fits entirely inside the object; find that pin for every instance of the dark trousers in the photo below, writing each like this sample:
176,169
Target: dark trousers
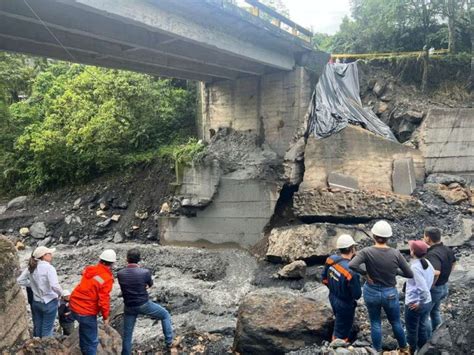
88,334
67,328
344,311
416,324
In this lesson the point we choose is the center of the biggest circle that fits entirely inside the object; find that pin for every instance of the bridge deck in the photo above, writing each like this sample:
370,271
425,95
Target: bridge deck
205,40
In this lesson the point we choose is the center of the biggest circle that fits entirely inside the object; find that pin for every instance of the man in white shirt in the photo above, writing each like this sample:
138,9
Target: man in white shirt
42,278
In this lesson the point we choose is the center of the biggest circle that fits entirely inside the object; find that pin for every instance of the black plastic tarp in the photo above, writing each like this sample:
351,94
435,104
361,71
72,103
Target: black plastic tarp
336,103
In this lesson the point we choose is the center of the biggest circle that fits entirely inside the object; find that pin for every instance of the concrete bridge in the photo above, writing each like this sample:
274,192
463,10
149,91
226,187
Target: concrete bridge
256,75
204,40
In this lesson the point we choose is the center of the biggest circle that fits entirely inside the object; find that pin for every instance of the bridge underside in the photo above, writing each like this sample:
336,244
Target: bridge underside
204,40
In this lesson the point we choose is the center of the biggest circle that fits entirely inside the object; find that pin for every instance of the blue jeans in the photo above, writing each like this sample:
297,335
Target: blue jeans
377,297
88,334
152,310
43,315
415,322
438,294
344,311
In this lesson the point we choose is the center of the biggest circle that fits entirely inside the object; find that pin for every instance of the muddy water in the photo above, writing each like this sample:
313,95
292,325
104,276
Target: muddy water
201,288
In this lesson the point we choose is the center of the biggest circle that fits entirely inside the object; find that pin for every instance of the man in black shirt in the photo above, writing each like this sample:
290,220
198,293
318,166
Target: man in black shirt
134,281
442,258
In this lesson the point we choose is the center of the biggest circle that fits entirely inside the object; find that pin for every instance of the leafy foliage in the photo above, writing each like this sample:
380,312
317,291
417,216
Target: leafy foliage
400,25
79,122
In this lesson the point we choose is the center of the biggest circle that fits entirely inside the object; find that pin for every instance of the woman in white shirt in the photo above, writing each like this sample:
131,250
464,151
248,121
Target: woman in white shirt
418,296
42,278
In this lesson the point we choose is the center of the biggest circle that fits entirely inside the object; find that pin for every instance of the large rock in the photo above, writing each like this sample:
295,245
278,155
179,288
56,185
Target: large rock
445,179
38,230
13,320
295,270
17,202
354,204
276,323
110,343
306,241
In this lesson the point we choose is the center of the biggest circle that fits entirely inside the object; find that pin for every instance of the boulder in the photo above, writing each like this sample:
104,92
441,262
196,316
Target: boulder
445,179
453,196
13,318
306,241
110,343
414,117
379,88
38,230
17,202
295,270
354,204
276,323
118,237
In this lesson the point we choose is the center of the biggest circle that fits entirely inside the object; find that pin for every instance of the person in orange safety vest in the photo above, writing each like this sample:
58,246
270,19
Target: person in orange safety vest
91,298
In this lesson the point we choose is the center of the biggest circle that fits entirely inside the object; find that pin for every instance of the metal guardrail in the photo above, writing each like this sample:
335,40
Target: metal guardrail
278,20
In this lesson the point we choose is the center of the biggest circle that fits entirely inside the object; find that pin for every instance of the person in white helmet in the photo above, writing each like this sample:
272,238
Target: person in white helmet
382,265
344,287
41,277
91,298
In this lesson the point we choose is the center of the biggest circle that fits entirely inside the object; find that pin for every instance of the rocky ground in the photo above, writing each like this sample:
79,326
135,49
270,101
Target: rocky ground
271,301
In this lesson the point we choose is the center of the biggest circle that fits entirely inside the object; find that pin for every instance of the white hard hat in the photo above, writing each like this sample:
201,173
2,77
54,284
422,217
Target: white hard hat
345,241
42,251
66,293
382,229
108,255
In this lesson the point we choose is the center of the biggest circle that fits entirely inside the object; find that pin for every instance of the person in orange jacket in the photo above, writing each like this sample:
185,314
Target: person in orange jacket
91,297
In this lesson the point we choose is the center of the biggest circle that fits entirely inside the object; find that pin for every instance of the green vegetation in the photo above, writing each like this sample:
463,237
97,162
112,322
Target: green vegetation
401,25
66,123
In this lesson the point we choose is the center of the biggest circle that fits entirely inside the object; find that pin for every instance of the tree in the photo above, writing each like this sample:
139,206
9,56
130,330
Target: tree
278,6
455,11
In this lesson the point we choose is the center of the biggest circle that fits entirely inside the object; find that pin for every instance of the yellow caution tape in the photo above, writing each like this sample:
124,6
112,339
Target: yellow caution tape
391,54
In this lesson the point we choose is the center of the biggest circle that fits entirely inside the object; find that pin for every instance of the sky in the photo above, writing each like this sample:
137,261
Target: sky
319,15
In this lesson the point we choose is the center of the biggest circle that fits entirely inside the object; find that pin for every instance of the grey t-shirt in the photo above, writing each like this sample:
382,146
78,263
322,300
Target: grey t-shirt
382,265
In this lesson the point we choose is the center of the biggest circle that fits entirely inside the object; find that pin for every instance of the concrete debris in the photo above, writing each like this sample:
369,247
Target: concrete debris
358,153
342,182
17,202
307,241
452,196
445,179
295,270
38,230
403,176
277,322
354,205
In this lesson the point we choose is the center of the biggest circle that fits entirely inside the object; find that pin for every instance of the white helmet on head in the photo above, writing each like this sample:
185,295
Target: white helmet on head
382,229
109,256
66,293
345,241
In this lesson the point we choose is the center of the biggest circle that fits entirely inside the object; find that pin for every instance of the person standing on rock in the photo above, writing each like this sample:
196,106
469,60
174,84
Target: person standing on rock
443,260
382,265
91,297
134,281
417,296
42,278
344,287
